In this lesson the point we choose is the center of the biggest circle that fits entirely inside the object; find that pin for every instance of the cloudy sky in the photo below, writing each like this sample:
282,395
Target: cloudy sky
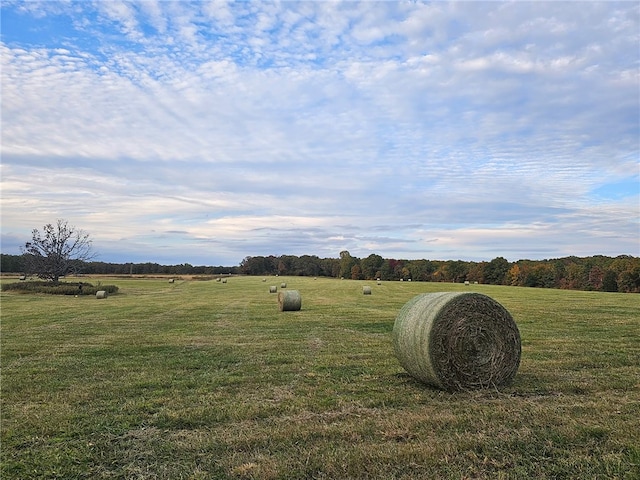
205,132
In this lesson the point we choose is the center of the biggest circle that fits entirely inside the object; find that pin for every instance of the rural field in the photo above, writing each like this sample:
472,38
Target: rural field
199,379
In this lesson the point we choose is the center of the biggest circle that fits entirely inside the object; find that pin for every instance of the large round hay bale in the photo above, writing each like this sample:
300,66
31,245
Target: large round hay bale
366,290
289,300
273,289
457,341
101,294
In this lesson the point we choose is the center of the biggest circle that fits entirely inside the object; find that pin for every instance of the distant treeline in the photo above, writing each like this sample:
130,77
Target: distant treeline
15,264
619,274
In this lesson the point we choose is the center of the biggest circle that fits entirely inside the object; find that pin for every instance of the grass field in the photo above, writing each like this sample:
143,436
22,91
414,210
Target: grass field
199,379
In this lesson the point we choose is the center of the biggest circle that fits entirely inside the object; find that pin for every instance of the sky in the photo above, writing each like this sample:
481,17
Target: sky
205,132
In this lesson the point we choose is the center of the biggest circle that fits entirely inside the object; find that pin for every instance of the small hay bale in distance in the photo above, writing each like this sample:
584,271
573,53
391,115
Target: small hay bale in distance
283,285
457,341
273,289
101,294
224,280
289,301
366,290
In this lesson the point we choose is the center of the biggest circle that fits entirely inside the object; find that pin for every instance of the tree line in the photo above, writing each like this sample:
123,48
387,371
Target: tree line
61,249
600,273
16,264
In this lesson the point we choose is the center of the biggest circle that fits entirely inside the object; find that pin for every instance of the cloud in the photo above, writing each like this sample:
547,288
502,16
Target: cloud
455,130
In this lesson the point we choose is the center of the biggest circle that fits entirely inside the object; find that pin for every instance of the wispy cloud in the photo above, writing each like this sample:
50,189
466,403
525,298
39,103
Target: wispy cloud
205,132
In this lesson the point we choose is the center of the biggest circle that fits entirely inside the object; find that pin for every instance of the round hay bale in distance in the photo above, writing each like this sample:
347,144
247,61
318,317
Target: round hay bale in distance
283,285
224,280
457,341
273,289
101,294
289,301
366,290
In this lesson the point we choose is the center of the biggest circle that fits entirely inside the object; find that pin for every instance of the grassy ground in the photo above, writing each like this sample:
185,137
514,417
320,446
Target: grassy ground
199,379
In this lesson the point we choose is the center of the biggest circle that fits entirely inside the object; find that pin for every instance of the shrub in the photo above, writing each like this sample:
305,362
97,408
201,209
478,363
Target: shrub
59,288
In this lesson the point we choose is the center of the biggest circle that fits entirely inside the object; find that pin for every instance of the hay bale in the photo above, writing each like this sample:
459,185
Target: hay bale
23,277
172,280
101,294
283,285
366,290
224,280
289,301
466,283
273,289
457,341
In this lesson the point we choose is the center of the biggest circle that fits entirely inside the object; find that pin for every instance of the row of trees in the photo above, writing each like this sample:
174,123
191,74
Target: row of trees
17,264
62,249
619,274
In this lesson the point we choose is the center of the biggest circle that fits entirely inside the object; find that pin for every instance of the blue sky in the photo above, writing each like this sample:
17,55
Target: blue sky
204,132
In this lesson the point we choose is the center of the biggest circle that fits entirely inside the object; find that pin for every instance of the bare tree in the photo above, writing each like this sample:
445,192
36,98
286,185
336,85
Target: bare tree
58,250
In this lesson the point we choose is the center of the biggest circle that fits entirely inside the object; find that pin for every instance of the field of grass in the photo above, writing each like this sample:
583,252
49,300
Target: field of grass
199,379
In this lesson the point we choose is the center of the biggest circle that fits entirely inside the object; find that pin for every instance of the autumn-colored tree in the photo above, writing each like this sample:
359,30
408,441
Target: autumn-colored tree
356,272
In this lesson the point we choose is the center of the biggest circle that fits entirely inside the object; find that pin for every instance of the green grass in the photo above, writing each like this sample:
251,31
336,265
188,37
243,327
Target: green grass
199,379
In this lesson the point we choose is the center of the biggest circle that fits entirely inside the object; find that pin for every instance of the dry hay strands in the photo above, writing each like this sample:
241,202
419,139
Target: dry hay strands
273,289
457,341
101,294
366,290
289,301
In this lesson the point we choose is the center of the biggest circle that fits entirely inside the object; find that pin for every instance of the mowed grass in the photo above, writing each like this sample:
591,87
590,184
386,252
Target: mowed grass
200,379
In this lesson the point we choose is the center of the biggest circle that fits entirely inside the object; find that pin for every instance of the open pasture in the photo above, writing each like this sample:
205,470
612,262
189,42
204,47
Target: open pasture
199,379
